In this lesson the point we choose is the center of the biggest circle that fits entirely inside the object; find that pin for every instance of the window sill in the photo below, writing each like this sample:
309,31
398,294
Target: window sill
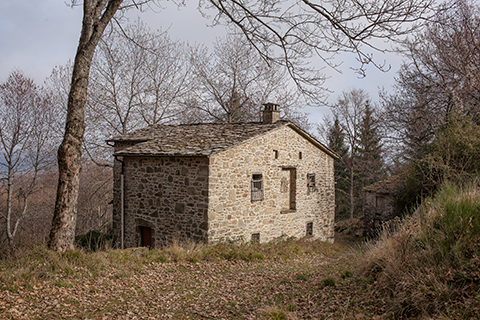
287,211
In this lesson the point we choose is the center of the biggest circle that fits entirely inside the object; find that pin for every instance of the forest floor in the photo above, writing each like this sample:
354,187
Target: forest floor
313,281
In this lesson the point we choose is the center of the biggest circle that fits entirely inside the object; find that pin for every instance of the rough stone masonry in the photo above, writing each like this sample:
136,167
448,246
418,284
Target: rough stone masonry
215,182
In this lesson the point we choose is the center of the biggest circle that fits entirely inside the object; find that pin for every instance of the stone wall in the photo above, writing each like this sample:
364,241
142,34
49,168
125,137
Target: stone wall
210,199
277,156
167,194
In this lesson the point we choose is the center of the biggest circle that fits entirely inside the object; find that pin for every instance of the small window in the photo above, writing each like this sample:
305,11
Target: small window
309,229
256,237
300,155
275,154
311,181
257,187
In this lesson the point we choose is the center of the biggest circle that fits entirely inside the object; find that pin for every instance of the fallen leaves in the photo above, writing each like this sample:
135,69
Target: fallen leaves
222,289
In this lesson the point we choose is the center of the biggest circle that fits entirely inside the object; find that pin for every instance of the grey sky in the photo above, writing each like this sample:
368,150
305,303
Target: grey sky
37,35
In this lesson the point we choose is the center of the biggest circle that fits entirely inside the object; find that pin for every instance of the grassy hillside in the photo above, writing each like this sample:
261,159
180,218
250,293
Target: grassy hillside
428,266
425,267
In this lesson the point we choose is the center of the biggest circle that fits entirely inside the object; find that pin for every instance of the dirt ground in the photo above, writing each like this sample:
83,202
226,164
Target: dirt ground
310,286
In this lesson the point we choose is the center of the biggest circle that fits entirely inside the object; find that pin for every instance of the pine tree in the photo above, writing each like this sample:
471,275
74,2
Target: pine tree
336,142
370,164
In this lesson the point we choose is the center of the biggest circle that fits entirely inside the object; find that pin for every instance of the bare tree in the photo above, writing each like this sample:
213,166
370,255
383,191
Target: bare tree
231,83
348,112
57,86
297,28
94,199
137,79
96,16
441,75
26,143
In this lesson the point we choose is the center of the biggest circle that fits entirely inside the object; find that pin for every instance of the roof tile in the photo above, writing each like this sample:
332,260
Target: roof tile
193,139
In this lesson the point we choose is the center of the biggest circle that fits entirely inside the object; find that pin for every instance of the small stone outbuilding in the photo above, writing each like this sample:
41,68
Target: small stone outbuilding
380,204
214,182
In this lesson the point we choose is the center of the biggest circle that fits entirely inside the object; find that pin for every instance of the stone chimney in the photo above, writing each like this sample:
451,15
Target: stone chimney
271,114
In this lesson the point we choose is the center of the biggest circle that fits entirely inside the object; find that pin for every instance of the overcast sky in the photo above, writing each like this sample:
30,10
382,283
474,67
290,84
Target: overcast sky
37,35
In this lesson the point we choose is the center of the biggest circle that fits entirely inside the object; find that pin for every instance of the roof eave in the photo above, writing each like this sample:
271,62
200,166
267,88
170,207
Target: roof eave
314,141
127,140
161,155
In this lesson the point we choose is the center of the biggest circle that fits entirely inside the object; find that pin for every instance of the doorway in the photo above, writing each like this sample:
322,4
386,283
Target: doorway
288,189
146,237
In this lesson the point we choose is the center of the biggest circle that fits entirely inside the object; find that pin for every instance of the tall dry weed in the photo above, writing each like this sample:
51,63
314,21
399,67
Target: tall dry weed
428,264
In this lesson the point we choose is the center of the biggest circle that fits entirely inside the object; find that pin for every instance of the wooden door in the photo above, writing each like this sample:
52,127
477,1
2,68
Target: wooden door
146,237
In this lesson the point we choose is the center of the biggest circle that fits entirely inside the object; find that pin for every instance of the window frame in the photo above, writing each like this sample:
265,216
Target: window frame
311,182
257,187
292,189
309,229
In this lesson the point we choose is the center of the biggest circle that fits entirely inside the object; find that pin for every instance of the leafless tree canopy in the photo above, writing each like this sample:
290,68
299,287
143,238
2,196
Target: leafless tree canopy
231,83
137,78
356,134
441,75
27,143
348,112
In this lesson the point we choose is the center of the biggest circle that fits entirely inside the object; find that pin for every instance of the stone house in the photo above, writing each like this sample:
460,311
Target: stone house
380,204
213,182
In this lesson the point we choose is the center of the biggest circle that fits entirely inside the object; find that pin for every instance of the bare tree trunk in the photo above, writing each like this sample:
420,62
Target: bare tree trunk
96,16
12,226
352,208
9,209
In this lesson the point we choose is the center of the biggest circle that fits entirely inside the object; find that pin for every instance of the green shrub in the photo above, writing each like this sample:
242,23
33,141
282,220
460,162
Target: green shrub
345,274
452,225
93,240
327,282
454,155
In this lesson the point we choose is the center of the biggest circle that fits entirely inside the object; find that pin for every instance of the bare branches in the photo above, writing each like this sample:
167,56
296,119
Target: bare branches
137,79
353,131
231,83
440,77
300,30
26,143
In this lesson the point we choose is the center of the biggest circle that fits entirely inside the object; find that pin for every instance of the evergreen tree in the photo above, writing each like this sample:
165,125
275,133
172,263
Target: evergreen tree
336,142
370,164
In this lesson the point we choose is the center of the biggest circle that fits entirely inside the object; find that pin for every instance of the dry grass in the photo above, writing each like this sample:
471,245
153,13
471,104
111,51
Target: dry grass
37,262
276,313
429,264
285,279
426,267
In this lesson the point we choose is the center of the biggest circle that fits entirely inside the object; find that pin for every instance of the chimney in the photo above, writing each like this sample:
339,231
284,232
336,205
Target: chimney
271,114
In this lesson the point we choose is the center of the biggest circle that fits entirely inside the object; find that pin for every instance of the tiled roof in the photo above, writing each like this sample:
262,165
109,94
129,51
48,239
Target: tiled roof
191,140
202,139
